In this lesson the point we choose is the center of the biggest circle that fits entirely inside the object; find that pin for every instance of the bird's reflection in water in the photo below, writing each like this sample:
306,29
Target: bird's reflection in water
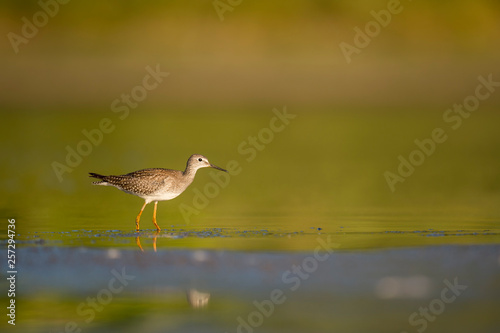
138,241
197,299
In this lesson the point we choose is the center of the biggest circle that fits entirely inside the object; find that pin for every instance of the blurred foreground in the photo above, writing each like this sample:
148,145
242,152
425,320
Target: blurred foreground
407,290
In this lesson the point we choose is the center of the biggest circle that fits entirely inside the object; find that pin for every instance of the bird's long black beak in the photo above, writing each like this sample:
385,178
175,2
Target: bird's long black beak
218,168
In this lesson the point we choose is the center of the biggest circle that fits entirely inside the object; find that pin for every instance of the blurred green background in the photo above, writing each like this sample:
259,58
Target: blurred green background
321,176
284,52
325,169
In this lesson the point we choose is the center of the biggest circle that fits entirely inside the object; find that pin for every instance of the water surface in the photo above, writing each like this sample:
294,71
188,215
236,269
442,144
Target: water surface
319,180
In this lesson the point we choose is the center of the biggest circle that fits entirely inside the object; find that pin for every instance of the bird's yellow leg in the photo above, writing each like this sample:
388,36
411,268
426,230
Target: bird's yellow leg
154,217
138,218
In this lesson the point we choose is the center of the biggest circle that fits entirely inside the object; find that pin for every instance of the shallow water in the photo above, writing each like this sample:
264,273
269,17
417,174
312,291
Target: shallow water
232,291
272,238
229,279
320,180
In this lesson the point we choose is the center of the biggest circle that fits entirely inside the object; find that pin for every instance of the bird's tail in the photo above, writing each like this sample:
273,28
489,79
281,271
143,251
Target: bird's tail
98,176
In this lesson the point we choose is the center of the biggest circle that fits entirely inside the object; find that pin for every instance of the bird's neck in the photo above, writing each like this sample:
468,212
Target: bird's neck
189,172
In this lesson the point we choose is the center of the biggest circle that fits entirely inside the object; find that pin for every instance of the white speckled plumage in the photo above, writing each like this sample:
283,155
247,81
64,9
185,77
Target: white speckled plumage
156,184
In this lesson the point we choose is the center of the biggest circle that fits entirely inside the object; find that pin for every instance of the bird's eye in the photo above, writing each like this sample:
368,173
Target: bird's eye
200,159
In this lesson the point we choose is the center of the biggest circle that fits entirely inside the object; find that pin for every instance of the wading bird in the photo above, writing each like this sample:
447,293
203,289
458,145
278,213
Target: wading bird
156,184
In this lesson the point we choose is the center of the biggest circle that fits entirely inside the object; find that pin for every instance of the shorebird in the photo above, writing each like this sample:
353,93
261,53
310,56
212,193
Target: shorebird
156,184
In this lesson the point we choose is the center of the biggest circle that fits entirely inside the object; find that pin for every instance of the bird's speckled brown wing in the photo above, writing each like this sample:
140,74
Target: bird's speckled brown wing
144,182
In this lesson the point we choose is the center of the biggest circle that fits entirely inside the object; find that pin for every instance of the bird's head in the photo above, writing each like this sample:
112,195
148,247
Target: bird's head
197,161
